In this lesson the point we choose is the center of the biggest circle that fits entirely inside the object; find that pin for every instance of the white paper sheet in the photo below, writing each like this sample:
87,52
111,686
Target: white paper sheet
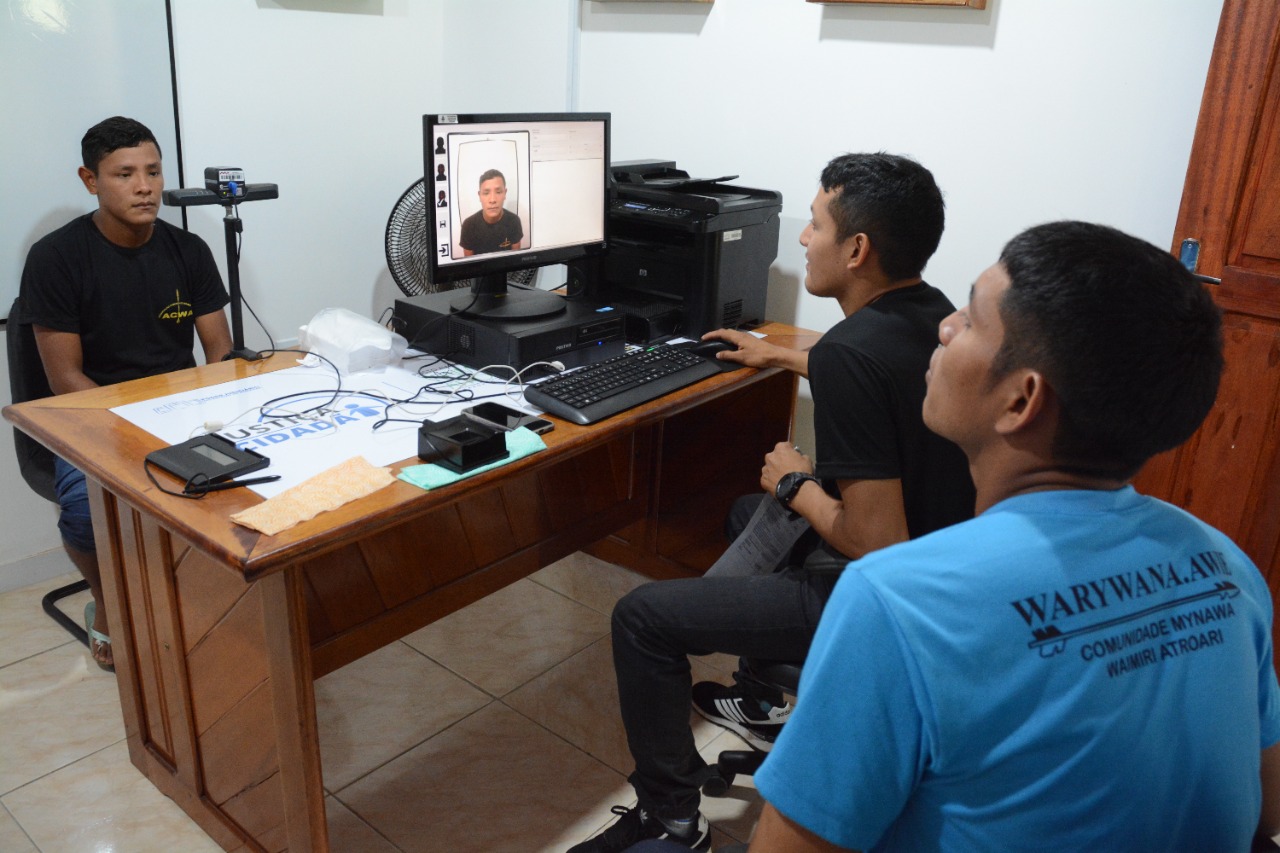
301,444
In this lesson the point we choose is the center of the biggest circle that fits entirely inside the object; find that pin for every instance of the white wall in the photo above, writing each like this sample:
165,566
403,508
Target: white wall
504,56
326,100
1029,111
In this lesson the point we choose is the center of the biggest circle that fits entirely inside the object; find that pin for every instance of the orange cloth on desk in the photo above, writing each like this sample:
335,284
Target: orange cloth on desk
327,490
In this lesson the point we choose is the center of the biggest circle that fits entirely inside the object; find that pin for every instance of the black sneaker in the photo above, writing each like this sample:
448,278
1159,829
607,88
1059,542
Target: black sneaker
755,720
636,825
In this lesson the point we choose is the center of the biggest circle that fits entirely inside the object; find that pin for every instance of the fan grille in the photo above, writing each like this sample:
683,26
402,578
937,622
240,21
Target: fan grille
407,244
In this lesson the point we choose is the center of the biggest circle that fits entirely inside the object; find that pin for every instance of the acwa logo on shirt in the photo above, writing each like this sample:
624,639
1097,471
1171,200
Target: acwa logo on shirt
177,310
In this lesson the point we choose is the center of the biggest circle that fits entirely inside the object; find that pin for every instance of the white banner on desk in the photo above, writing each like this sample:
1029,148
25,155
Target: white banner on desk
268,414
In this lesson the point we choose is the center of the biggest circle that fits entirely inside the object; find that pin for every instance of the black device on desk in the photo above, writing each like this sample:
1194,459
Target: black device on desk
686,255
506,418
601,390
581,334
210,458
460,443
208,463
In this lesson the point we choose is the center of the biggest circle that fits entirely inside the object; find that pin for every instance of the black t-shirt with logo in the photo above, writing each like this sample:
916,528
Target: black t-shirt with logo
134,309
480,236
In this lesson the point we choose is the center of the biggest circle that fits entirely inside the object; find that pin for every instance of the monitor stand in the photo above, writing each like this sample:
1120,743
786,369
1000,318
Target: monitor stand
491,299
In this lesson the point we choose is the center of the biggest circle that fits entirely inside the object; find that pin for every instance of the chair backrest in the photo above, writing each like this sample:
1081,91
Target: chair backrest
776,674
27,381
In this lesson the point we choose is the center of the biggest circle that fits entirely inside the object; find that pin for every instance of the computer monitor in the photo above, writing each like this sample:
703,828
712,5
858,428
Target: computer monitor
513,192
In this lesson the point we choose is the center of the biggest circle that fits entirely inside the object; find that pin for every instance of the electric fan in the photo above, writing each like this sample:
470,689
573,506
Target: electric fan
407,247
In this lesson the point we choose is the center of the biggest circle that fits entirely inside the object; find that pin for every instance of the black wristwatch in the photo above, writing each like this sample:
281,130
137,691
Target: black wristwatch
790,484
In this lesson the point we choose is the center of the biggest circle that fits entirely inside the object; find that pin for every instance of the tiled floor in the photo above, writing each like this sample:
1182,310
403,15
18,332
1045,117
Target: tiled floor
494,729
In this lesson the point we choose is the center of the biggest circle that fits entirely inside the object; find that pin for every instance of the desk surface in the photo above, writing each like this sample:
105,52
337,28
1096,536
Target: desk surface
219,631
80,427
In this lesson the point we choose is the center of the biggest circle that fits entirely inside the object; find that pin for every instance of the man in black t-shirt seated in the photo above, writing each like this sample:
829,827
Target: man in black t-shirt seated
114,295
880,477
492,228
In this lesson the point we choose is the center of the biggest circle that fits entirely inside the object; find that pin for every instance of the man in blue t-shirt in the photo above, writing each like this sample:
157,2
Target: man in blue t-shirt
1080,667
113,295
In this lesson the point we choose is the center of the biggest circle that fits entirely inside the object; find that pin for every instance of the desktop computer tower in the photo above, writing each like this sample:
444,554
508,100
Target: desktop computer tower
582,334
685,255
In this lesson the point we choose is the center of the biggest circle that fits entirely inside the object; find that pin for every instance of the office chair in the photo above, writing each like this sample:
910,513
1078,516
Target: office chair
27,381
783,676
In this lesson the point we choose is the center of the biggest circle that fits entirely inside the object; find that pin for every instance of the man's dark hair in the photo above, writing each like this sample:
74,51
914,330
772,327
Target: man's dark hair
1129,341
894,201
108,135
490,175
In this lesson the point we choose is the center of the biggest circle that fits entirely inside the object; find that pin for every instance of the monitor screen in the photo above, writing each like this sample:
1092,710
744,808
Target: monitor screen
514,192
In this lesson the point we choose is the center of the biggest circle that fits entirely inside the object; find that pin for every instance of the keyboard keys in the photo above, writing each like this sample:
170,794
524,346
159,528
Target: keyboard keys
600,390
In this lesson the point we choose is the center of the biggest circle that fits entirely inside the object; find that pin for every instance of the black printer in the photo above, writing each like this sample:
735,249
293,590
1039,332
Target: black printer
686,255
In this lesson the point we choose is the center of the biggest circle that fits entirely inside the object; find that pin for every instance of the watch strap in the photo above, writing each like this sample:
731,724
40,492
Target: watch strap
790,486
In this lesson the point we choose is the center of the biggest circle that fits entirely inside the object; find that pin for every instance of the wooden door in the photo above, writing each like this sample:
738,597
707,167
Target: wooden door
1229,473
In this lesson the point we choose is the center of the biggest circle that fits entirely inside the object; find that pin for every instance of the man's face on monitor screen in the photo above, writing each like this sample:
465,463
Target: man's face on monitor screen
493,194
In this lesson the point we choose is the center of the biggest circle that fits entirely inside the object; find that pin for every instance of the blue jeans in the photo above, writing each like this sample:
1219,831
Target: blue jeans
658,625
74,521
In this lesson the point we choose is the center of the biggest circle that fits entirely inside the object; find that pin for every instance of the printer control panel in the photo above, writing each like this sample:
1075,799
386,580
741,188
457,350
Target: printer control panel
646,210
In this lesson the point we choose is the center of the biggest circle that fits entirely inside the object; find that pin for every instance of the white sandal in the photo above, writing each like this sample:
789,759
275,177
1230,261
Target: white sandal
97,639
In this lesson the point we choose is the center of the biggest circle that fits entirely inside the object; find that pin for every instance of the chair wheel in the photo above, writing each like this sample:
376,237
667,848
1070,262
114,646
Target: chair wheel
718,785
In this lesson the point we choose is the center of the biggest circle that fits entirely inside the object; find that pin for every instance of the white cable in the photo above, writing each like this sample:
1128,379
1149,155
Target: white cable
557,366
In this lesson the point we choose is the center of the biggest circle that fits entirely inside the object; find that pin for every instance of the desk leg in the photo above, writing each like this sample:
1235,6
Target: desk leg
215,684
284,610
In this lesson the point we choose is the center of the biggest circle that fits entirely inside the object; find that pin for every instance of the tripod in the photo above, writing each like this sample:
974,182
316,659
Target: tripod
231,227
234,193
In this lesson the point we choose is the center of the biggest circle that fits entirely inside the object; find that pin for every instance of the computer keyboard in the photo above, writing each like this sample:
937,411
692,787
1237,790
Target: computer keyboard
597,391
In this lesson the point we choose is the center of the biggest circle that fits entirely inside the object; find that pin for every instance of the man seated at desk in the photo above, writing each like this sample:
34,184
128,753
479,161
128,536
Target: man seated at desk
1080,667
113,295
880,478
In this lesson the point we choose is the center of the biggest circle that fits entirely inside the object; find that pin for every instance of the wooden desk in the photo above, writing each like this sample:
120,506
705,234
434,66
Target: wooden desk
219,632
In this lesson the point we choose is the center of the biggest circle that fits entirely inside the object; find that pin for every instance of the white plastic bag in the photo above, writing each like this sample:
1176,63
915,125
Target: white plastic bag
353,343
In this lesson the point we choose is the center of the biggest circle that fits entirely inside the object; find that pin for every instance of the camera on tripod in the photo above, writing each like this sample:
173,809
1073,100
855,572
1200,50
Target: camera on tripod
227,183
222,185
227,187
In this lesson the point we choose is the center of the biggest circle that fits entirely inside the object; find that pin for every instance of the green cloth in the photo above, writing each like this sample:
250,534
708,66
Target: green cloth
520,443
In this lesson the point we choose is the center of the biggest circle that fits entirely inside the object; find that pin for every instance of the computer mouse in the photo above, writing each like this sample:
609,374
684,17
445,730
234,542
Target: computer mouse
708,349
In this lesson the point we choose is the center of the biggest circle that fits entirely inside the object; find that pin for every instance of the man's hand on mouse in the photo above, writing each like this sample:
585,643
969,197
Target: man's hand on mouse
754,352
751,351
